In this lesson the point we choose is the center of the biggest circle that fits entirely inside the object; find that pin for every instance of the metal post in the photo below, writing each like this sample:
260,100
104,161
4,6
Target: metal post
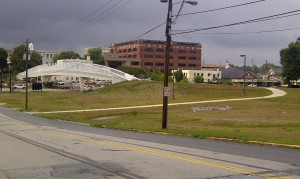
1,79
244,90
166,72
173,78
26,82
10,79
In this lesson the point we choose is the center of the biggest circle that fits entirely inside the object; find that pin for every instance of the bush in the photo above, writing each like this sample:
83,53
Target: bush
198,79
226,82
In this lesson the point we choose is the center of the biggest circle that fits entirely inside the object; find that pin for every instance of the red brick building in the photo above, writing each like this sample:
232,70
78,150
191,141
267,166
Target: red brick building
150,54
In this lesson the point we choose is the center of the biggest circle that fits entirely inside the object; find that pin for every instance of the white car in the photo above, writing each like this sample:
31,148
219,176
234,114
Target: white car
60,82
19,86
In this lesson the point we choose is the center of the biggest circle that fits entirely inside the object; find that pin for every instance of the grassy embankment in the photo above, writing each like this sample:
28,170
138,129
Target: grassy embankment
267,120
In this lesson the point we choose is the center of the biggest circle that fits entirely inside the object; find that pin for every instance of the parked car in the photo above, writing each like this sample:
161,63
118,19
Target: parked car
19,86
60,82
87,88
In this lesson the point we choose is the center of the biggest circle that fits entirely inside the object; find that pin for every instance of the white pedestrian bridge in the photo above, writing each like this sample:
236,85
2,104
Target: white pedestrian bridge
83,69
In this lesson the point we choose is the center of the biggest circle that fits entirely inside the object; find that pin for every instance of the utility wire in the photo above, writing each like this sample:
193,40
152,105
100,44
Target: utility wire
223,8
78,22
239,23
93,20
255,32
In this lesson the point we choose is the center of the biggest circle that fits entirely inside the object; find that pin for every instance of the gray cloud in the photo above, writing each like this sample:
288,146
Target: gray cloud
43,22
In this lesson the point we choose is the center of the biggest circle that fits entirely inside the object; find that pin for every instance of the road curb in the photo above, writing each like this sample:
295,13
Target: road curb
256,142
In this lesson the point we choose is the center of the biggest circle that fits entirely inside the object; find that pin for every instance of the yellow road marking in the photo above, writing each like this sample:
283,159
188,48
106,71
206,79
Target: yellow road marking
162,154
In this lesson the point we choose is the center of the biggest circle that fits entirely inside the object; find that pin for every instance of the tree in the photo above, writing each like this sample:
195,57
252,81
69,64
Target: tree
178,75
198,79
3,58
66,55
137,72
17,62
290,61
96,55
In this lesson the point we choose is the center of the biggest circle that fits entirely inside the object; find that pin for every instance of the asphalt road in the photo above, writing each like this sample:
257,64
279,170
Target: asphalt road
33,147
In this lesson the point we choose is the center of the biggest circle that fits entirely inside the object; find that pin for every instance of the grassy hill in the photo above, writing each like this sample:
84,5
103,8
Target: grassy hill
266,120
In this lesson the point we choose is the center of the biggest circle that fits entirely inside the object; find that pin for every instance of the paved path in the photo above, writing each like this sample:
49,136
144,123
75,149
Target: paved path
276,93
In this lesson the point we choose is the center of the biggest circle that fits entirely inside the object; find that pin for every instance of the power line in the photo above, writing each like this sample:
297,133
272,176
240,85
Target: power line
240,23
256,32
78,22
222,8
217,9
91,21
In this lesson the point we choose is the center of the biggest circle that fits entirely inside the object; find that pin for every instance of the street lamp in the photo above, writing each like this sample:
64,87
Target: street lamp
244,91
29,46
166,89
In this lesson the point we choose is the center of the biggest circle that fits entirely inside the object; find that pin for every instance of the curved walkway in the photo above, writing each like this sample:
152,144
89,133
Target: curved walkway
276,93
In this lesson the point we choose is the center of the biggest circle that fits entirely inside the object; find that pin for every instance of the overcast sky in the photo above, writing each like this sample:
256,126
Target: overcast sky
62,25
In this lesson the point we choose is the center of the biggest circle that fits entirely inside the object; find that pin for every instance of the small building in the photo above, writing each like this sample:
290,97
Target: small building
208,75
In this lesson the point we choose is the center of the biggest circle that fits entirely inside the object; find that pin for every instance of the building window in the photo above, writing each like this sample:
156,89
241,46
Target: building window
208,74
134,56
181,51
192,52
130,50
148,50
192,58
129,56
158,56
148,63
201,74
159,64
135,63
47,56
181,64
192,65
125,50
134,49
120,51
160,50
148,56
182,58
171,50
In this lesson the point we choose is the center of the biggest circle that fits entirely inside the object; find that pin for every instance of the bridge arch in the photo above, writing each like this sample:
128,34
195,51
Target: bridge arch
84,69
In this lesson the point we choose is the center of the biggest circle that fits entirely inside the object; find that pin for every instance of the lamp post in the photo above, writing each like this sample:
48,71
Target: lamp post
244,91
9,70
29,46
166,89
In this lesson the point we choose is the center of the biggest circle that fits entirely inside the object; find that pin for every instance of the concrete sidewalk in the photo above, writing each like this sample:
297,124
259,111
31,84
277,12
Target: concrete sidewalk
276,93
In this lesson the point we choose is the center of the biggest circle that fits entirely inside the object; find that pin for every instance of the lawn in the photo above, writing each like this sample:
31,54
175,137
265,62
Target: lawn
274,120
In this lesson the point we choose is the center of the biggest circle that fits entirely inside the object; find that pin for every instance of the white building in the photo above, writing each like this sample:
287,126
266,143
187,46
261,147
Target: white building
47,55
208,75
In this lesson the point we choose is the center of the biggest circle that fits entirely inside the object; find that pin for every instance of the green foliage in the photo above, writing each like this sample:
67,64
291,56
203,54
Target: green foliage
17,62
290,61
137,72
66,55
3,58
184,80
96,55
198,79
225,82
178,75
157,76
260,70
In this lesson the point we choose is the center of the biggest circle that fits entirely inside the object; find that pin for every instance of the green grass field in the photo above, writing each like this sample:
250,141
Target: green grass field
274,120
